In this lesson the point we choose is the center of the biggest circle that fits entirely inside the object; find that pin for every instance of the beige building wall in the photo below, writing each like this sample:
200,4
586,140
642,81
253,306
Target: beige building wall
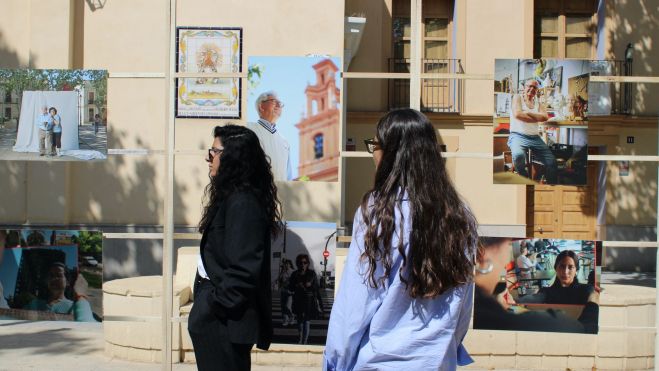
635,22
132,37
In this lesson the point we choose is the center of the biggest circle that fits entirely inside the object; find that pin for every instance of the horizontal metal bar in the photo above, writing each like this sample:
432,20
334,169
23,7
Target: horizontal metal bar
149,236
637,79
627,329
136,75
375,75
135,151
642,244
456,76
639,158
425,76
210,75
131,319
133,236
358,154
623,158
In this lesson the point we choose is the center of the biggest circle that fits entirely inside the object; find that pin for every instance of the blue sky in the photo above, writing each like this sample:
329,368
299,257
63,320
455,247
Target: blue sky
288,77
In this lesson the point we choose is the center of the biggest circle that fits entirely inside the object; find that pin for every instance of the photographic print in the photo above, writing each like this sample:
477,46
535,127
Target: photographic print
208,50
549,285
53,115
541,121
294,108
51,275
303,281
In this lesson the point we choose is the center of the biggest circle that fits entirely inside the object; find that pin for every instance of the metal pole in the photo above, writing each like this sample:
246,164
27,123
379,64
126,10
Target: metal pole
415,54
656,281
168,202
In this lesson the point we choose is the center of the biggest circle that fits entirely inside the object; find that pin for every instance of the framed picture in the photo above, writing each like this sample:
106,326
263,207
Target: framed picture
208,50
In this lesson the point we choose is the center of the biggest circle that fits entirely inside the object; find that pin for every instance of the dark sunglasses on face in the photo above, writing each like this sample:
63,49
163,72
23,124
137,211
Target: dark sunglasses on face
371,145
212,152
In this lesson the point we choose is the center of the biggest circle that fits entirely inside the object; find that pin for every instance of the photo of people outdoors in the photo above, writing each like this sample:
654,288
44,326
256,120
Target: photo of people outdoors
53,115
541,121
51,275
537,284
303,276
294,107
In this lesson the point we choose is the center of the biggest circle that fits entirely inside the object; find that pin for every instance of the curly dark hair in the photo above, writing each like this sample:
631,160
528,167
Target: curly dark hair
443,237
244,167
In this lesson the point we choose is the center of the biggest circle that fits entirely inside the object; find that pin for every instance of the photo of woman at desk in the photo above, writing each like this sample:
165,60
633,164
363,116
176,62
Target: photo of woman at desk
530,301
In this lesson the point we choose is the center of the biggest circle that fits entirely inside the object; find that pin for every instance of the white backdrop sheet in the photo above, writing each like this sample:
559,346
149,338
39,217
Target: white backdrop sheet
66,103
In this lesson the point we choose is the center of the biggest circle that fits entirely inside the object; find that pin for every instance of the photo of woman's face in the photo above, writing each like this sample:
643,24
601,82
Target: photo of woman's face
56,279
566,270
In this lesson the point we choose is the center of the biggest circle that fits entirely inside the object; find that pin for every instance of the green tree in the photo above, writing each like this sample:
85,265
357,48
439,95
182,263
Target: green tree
98,80
18,81
89,243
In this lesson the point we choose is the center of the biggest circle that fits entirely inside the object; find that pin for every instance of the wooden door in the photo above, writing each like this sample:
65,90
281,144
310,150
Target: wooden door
563,211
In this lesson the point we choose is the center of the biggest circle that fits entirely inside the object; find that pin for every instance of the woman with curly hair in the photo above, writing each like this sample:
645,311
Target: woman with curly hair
232,297
405,298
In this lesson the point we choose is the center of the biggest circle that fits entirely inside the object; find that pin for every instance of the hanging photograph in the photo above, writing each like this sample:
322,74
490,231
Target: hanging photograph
53,115
294,108
541,121
303,278
208,50
51,275
549,285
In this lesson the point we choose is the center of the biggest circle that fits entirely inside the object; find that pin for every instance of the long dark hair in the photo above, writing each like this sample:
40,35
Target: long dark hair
243,167
562,255
443,236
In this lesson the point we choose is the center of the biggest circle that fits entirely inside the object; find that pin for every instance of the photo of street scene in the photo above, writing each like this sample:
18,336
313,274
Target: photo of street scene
53,115
303,281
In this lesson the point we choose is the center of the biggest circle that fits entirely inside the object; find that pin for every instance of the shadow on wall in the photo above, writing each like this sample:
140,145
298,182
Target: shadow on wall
125,192
310,201
9,58
637,22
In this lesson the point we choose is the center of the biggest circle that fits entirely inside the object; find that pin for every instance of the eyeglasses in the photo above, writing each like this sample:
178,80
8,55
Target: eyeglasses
278,103
371,145
212,152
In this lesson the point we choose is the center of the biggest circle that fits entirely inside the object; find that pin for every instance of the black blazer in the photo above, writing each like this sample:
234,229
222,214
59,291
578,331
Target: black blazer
235,250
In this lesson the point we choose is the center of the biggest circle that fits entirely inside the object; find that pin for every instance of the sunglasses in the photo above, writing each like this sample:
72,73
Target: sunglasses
371,145
277,103
212,152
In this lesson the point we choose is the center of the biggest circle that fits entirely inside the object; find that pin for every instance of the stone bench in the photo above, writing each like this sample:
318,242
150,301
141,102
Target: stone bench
142,297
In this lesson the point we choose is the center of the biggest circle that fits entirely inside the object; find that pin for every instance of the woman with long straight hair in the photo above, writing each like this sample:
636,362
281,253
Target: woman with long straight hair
405,297
232,297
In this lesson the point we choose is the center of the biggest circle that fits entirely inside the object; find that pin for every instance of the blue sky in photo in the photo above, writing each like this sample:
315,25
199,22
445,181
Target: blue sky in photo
288,77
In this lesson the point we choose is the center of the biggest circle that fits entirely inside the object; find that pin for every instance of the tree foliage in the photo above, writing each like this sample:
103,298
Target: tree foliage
89,243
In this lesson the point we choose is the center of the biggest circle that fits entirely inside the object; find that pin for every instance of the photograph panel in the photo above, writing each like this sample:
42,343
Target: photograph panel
294,107
547,285
303,282
51,275
541,121
208,50
53,115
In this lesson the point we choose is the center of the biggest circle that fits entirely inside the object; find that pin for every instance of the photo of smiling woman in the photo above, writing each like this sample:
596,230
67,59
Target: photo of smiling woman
232,297
405,298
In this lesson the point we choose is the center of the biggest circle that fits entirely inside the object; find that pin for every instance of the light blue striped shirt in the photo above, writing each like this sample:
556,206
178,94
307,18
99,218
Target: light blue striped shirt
385,328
